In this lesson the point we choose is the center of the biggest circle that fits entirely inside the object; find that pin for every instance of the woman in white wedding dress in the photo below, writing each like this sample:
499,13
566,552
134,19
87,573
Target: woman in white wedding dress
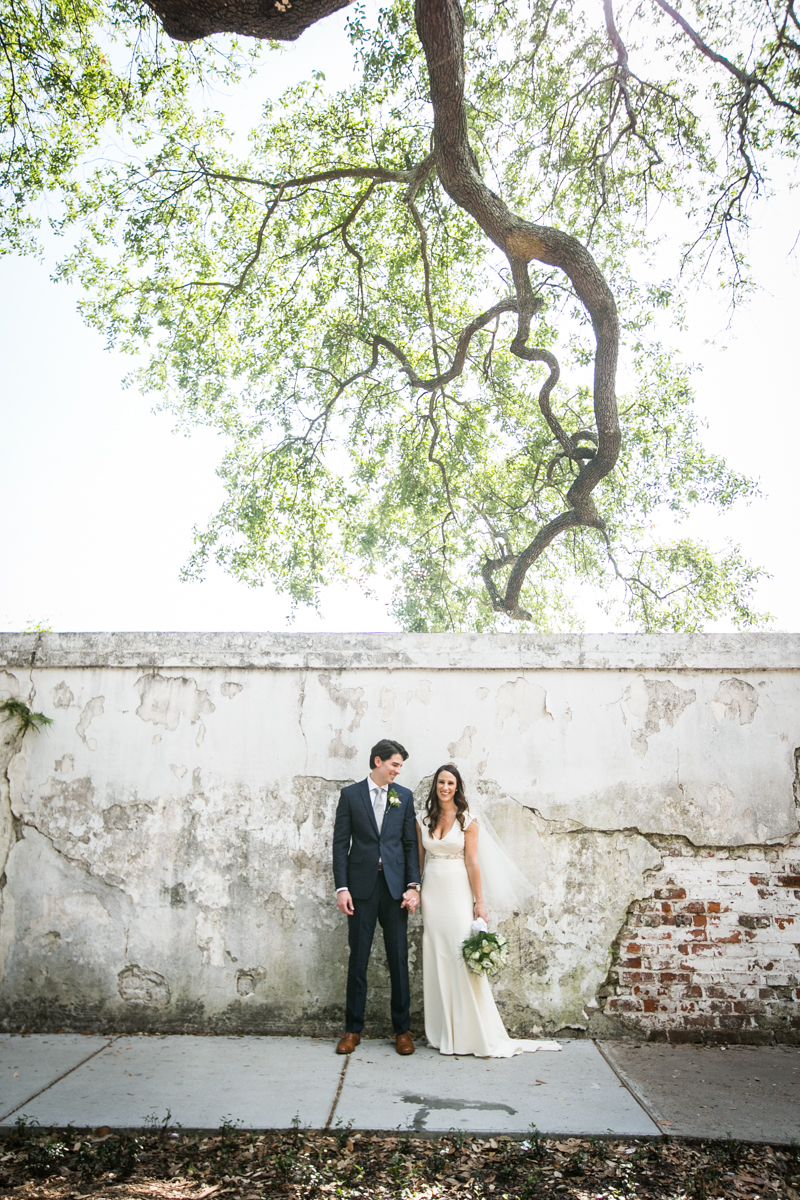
461,1016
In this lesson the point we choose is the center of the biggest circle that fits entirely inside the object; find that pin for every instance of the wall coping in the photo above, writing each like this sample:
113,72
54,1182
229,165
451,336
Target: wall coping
735,652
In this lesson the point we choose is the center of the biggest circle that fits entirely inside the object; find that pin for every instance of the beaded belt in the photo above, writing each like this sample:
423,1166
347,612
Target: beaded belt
451,857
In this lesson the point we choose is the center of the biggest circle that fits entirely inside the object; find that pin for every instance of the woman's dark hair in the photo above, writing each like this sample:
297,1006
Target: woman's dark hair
385,749
433,809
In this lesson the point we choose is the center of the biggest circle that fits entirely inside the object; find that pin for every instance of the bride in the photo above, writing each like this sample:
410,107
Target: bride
461,1016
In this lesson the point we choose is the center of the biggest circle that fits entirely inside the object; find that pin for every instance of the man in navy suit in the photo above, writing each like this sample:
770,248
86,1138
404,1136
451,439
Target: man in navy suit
376,872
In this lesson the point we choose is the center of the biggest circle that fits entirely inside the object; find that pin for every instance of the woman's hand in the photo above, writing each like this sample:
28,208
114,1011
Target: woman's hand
479,909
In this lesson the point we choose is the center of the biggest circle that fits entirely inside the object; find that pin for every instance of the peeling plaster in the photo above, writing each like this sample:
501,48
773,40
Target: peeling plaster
736,699
463,747
652,701
93,709
165,700
62,695
522,699
346,698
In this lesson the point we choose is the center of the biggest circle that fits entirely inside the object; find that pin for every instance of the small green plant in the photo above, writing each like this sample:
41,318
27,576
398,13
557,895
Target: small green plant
731,1152
342,1133
44,1157
24,1128
17,710
531,1185
229,1130
160,1125
705,1182
113,1156
537,1145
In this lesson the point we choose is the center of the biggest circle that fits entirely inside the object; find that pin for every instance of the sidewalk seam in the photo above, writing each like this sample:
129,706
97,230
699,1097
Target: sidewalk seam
632,1090
327,1124
63,1075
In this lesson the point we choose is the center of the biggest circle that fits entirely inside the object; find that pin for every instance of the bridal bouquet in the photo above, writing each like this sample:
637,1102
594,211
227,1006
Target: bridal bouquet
484,953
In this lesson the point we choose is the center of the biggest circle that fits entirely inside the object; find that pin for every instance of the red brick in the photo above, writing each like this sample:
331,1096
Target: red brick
713,906
699,920
759,880
670,893
789,881
634,948
694,906
676,977
635,963
624,1004
631,977
666,908
692,993
650,1006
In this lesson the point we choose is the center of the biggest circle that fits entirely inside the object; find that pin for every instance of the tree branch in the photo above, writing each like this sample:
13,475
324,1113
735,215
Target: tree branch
440,25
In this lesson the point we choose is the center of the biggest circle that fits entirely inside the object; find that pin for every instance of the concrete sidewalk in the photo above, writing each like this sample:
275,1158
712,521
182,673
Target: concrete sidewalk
613,1088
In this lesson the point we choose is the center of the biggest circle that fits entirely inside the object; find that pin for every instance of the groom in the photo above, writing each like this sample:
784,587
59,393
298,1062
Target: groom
376,871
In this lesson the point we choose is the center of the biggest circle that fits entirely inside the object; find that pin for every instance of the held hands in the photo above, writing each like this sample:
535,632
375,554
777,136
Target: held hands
479,909
344,902
410,900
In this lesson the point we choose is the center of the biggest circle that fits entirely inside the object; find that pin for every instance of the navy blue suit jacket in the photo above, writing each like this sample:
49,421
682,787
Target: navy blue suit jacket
357,846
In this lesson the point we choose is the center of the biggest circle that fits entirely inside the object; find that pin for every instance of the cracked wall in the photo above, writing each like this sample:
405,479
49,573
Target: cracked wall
166,842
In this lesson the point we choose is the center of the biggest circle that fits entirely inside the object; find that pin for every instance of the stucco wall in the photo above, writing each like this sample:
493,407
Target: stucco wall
166,842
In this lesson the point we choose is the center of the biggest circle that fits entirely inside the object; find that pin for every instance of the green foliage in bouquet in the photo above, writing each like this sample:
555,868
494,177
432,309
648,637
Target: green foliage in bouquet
485,953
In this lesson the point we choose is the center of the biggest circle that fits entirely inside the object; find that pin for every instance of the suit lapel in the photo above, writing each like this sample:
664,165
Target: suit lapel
365,796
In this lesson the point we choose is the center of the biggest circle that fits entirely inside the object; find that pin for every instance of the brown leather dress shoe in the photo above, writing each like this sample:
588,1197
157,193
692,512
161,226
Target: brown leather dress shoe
348,1043
404,1043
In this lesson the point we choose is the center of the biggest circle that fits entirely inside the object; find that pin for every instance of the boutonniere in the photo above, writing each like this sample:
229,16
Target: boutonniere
393,798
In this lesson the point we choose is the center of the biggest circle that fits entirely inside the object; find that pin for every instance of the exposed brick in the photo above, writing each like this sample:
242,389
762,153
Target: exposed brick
718,949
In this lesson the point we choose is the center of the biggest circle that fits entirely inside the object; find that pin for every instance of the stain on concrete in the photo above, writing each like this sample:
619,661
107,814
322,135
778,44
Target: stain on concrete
428,1104
178,770
521,699
735,700
93,709
651,701
229,690
164,700
65,765
62,695
145,989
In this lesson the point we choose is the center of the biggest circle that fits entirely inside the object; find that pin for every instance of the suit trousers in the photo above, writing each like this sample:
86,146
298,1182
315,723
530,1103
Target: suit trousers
379,906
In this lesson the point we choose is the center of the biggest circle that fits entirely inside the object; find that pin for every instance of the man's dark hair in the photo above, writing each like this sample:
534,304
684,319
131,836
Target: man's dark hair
384,749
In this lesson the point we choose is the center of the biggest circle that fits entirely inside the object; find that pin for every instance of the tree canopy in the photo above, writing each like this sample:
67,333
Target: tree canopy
403,306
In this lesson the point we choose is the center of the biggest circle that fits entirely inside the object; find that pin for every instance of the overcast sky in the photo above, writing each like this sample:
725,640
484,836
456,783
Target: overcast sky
99,496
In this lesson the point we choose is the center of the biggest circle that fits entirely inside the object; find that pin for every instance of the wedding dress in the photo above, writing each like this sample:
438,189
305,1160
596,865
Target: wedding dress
461,1016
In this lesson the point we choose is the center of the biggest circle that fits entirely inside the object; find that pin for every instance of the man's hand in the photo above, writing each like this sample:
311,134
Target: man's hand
410,899
344,902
